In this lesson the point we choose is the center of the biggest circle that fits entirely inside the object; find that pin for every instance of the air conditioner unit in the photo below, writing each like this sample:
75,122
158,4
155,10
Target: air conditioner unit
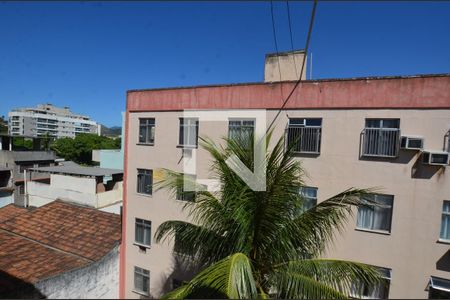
437,158
411,143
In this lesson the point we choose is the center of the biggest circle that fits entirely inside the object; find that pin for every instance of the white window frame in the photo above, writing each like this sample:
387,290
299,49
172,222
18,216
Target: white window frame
143,172
386,276
388,231
146,227
150,124
188,128
145,274
241,125
445,214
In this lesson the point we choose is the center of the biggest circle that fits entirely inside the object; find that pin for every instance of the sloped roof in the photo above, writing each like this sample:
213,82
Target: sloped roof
53,239
10,211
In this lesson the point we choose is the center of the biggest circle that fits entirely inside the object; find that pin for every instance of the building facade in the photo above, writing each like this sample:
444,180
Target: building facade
89,186
385,132
16,160
46,119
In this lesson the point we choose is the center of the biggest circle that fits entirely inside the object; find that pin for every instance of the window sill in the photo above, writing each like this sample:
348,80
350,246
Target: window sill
142,245
373,231
145,144
140,293
145,195
187,147
443,241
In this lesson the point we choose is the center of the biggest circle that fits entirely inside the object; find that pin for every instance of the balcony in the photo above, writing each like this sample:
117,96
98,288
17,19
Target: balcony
381,142
304,140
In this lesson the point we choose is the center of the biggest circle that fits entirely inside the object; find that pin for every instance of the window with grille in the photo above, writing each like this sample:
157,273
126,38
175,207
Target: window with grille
381,138
304,135
241,129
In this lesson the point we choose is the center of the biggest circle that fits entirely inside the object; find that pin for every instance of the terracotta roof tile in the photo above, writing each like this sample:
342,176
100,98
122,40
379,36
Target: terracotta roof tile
83,231
52,239
10,211
22,260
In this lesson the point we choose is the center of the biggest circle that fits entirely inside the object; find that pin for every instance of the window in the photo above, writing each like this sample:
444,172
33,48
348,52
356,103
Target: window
241,129
309,195
304,135
379,291
141,280
445,223
144,181
376,216
187,195
381,137
188,132
147,131
439,288
143,232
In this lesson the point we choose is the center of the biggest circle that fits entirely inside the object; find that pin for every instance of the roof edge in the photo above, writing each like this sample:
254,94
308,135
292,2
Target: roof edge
293,81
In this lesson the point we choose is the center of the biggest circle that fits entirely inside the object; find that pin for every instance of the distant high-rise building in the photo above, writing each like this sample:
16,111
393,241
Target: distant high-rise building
48,119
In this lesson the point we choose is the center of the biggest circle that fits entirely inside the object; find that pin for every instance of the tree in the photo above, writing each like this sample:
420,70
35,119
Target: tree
259,244
79,149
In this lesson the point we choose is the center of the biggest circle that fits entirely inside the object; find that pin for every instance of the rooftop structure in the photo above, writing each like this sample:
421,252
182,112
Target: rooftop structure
49,120
17,154
59,250
95,187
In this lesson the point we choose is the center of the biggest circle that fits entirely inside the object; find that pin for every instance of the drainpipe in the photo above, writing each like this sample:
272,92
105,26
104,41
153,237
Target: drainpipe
25,188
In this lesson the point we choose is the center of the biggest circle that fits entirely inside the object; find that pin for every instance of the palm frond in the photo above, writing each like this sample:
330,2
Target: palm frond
341,275
231,276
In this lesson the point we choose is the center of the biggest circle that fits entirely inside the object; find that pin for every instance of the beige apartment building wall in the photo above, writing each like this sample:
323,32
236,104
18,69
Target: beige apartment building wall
411,249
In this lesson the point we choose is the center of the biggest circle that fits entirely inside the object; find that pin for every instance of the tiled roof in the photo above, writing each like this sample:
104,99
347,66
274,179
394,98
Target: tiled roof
10,211
83,231
52,239
27,261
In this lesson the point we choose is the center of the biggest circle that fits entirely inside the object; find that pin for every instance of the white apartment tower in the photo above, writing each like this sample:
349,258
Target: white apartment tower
48,119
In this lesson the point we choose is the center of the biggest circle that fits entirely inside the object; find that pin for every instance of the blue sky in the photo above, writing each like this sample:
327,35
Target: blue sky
87,54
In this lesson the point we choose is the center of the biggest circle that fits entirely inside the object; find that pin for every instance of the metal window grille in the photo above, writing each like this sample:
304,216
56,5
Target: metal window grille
304,135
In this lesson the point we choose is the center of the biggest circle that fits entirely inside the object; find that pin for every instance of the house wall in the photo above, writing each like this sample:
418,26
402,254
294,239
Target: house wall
99,280
73,189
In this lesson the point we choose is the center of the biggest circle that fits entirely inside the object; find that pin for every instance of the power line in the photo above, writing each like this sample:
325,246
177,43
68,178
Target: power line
290,34
308,38
275,37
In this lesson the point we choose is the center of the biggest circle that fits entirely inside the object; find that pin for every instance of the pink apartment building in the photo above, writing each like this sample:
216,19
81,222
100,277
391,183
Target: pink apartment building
388,132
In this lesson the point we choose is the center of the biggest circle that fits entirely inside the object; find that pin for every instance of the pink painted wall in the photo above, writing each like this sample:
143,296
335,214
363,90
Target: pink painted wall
413,92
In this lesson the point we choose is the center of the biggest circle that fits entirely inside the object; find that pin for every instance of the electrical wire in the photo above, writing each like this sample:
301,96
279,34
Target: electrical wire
308,38
290,34
275,37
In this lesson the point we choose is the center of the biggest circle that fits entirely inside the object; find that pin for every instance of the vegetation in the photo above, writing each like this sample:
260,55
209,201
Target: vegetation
3,125
262,244
79,149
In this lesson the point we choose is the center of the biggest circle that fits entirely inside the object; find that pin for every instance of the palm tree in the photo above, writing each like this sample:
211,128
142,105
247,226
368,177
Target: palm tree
259,244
